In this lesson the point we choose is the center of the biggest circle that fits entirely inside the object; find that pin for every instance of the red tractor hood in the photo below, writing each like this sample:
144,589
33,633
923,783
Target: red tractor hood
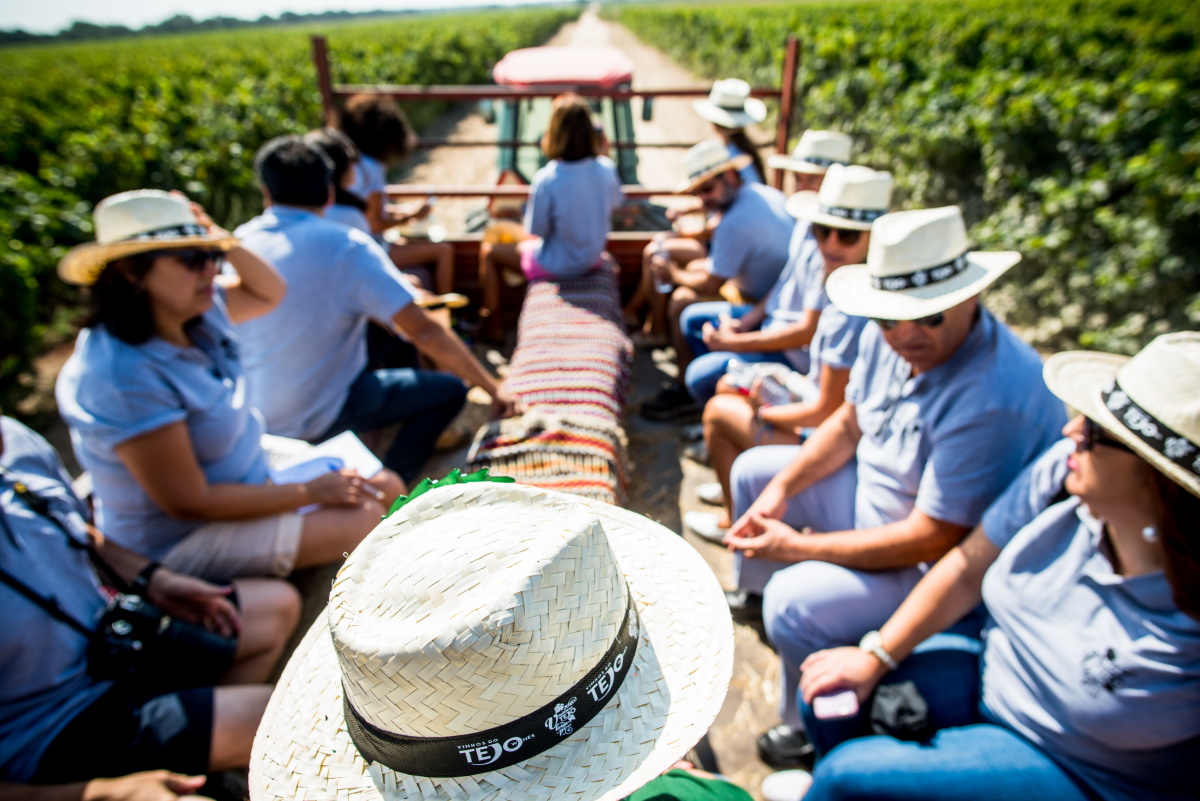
567,66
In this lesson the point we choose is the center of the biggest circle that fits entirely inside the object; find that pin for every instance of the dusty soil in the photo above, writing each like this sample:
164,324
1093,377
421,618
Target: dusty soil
663,482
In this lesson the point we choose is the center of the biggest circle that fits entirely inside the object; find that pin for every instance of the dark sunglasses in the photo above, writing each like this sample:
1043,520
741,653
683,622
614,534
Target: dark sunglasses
932,321
194,259
1094,434
705,188
846,236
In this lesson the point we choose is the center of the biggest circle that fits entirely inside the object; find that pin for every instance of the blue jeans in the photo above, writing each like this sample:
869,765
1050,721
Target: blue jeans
707,368
423,402
968,757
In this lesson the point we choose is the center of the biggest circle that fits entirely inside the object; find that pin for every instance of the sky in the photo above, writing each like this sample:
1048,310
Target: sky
50,16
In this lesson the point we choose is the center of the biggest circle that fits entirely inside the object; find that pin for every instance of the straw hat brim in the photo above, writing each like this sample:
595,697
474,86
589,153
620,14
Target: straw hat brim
736,163
83,264
670,697
807,206
783,162
849,289
1078,377
753,111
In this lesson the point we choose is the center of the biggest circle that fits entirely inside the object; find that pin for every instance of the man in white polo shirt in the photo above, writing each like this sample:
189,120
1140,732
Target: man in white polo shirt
944,408
306,361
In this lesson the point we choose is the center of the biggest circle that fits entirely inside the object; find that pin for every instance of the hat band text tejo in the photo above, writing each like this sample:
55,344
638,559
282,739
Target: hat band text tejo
847,213
502,746
174,232
1150,430
920,278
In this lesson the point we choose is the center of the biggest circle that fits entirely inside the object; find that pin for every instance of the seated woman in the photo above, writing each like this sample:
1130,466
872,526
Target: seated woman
156,401
63,718
383,136
1088,686
569,213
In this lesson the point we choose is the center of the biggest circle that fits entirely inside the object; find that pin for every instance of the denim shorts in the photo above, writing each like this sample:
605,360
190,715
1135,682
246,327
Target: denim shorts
125,732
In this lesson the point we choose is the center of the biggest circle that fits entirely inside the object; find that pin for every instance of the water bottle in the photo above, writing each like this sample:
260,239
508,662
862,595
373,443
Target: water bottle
661,286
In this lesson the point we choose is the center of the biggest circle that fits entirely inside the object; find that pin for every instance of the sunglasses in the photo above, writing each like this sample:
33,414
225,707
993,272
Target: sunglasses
932,321
1094,434
705,188
846,236
194,259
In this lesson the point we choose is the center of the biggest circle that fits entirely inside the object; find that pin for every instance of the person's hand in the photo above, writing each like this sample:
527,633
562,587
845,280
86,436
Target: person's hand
723,337
506,404
755,393
837,669
773,539
195,600
202,217
153,785
342,488
770,503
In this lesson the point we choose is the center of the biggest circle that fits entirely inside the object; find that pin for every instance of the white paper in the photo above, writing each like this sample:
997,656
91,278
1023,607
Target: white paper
341,452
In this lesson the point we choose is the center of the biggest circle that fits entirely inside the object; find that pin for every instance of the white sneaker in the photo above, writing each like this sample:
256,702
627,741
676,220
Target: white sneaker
704,525
786,785
711,492
697,452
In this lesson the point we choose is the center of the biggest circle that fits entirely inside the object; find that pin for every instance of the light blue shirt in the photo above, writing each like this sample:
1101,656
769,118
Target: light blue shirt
351,217
792,294
42,659
835,342
570,208
950,440
302,357
1100,670
750,244
370,177
749,173
110,392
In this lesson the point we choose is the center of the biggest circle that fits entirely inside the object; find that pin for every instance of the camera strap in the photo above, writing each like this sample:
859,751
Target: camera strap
50,604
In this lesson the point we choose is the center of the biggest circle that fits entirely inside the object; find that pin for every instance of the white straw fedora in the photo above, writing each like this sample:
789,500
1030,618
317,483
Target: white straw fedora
815,153
1151,402
850,197
730,105
707,159
137,222
495,641
918,264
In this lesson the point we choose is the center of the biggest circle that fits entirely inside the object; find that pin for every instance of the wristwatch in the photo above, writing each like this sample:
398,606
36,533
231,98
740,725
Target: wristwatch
872,643
141,582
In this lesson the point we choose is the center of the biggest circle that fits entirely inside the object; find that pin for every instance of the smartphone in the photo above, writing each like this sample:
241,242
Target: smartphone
835,705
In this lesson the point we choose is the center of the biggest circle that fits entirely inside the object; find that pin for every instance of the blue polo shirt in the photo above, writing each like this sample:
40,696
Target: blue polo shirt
110,392
793,291
302,357
950,440
43,661
1099,670
750,244
749,173
835,342
570,208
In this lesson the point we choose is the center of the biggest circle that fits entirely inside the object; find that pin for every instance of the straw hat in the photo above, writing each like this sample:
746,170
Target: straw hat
707,159
137,222
850,197
474,632
917,264
730,105
1151,402
815,153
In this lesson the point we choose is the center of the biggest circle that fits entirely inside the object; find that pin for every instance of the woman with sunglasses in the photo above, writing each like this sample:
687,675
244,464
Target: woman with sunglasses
156,401
1087,685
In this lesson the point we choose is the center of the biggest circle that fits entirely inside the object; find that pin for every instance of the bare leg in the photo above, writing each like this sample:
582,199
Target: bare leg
492,259
236,715
331,532
390,484
410,253
270,611
729,430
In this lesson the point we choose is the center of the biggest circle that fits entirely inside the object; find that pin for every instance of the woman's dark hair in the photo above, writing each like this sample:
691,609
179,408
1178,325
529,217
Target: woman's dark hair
1181,543
344,155
570,136
294,172
737,137
118,302
378,127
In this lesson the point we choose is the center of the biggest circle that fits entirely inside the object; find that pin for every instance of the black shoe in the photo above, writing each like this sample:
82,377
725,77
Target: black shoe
672,403
744,606
784,748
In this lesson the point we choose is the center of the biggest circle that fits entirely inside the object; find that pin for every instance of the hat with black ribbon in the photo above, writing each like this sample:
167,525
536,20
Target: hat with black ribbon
498,641
918,264
815,153
851,197
730,105
1151,401
135,222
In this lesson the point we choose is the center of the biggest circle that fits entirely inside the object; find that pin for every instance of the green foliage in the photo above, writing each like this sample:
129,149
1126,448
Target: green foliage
81,122
1068,130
